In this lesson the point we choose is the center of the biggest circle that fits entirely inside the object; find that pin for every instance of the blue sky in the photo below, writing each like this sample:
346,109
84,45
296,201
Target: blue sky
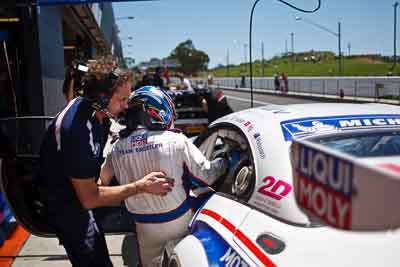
216,26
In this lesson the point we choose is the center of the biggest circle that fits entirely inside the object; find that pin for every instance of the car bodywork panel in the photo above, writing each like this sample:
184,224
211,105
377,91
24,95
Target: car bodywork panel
272,210
270,143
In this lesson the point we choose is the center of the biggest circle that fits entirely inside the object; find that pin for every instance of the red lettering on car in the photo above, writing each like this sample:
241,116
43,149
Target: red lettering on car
276,189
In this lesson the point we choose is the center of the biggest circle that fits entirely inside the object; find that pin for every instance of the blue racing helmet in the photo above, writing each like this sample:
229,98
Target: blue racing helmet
158,108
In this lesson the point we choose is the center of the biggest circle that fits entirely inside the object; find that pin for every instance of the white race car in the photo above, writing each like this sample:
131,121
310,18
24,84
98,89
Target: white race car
254,220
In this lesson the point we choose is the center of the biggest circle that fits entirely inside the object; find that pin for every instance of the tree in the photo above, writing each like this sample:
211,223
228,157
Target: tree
128,62
191,59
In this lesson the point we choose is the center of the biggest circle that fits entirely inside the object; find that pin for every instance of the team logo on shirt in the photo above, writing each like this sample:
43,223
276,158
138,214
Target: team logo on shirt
139,143
139,140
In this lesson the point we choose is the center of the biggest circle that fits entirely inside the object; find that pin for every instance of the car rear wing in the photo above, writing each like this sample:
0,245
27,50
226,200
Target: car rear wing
343,191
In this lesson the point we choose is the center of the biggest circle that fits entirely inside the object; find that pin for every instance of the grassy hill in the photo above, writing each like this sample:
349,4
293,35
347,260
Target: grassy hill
323,64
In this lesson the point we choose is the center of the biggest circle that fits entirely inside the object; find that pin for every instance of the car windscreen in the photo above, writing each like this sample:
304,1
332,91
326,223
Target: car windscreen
364,144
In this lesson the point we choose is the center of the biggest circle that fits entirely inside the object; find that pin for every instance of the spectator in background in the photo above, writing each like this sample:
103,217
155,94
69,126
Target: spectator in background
242,81
210,79
147,79
276,81
285,82
214,104
165,75
186,83
281,83
157,79
143,80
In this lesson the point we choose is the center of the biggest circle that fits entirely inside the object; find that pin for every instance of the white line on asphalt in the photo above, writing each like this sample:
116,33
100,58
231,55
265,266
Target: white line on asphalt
247,100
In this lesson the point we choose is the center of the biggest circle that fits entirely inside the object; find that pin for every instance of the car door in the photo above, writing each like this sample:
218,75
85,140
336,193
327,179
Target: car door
19,163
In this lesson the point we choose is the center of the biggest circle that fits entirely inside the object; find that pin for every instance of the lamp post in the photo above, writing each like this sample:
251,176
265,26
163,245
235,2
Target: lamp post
262,59
292,39
251,29
337,34
349,47
245,57
126,38
236,42
126,17
395,5
251,65
227,63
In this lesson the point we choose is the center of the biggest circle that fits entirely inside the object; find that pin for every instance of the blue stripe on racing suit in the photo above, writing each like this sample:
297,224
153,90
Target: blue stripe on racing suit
164,217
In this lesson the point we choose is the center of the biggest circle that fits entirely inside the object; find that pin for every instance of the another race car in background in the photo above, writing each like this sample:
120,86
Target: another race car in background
191,118
254,220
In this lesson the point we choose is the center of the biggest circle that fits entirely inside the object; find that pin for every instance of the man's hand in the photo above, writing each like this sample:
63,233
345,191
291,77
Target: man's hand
155,183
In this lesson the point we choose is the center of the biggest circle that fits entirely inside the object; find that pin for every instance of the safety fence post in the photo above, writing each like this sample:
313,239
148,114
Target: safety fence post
355,89
398,96
337,87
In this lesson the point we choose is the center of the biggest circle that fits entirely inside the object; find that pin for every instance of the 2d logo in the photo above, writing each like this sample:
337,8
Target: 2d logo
274,188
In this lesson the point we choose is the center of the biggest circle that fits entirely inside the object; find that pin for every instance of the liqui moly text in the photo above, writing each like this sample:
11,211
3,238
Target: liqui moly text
323,185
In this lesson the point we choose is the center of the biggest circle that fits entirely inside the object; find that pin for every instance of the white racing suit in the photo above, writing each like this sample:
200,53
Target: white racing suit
160,219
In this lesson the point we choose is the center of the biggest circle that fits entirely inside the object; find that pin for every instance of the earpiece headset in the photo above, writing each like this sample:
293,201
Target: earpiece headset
98,91
104,90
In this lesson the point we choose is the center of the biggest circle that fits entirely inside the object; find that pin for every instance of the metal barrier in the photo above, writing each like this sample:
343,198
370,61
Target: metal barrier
356,87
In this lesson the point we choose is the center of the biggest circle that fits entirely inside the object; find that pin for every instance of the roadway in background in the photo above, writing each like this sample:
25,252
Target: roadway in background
241,100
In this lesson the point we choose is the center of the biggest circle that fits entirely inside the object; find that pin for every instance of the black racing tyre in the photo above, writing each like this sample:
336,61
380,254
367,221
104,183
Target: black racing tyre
226,184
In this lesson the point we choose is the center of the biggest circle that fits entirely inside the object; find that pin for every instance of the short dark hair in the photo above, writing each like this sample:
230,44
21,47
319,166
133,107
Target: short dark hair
105,83
105,77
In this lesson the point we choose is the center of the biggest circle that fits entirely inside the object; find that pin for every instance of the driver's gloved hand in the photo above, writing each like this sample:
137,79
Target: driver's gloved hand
220,154
233,158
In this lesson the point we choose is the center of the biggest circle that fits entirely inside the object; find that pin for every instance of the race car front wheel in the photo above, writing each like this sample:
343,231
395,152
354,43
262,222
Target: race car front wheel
239,181
243,179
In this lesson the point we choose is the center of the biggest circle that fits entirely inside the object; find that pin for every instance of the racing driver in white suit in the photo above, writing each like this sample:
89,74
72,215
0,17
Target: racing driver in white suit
149,143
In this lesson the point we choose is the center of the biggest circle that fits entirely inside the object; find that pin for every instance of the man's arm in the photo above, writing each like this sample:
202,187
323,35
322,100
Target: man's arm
92,196
201,170
106,172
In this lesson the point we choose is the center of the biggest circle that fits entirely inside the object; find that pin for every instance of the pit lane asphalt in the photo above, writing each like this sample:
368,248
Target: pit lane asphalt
241,100
46,252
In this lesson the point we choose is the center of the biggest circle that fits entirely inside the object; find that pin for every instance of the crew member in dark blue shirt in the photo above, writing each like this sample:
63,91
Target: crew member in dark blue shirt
71,157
